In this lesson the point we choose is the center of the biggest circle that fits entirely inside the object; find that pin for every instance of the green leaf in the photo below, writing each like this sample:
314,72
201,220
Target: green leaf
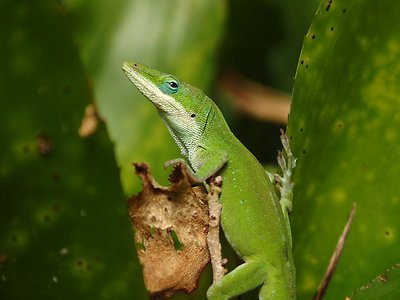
344,123
180,37
65,232
385,286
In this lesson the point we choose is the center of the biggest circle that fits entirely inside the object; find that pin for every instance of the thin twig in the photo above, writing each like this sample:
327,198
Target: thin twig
214,245
254,99
335,257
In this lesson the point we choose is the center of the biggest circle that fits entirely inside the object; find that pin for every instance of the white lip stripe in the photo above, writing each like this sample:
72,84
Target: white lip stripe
162,101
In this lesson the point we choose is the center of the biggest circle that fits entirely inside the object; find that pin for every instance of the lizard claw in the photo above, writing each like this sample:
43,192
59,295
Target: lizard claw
284,183
191,175
174,162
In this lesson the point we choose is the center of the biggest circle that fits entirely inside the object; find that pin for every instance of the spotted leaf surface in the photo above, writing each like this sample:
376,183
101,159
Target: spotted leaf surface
385,286
64,232
344,122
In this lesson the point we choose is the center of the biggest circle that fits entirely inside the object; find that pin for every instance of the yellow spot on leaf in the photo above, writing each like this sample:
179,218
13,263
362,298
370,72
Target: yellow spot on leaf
381,93
395,200
309,283
370,176
311,190
339,196
391,135
311,259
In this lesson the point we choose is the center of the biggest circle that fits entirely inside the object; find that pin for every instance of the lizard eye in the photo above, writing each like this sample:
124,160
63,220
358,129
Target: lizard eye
169,86
173,84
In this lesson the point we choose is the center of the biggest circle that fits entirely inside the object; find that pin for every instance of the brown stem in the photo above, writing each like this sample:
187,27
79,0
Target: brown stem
335,257
254,99
214,245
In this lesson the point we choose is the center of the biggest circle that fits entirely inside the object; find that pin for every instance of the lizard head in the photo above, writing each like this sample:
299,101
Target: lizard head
183,108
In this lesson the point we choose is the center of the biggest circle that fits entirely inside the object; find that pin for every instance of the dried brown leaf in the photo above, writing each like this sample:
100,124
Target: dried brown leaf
171,226
90,121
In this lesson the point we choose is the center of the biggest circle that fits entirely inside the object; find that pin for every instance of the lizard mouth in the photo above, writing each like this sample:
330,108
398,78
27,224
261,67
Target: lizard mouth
141,77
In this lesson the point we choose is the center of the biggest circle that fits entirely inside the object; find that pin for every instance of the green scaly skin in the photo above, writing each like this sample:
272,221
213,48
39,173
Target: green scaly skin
252,218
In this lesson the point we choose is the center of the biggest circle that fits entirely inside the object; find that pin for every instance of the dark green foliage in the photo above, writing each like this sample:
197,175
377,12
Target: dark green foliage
65,232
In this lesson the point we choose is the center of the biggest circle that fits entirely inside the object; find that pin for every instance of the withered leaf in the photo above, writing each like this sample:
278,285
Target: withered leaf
89,122
171,226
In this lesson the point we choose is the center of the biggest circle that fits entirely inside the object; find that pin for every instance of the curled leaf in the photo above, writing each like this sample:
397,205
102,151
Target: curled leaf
171,226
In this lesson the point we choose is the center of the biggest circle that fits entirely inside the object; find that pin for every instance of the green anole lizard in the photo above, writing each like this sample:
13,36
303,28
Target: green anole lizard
254,222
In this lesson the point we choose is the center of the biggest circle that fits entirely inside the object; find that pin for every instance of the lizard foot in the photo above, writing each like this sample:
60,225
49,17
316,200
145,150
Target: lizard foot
284,183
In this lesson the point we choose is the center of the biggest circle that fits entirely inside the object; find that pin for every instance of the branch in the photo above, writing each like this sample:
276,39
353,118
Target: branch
335,257
214,245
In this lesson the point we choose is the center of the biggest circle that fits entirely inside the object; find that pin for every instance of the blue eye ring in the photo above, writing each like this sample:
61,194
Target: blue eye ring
169,86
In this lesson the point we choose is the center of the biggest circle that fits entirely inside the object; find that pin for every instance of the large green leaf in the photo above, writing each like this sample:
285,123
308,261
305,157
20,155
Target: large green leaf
64,231
385,286
344,123
180,37
176,36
